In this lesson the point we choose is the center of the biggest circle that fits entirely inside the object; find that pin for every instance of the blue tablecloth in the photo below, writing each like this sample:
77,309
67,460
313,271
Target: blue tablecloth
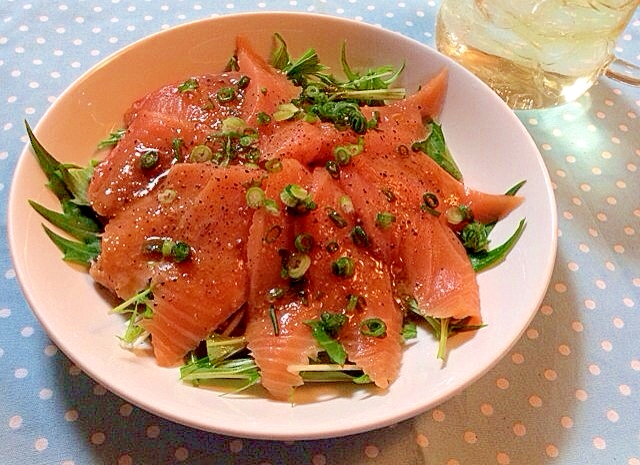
568,392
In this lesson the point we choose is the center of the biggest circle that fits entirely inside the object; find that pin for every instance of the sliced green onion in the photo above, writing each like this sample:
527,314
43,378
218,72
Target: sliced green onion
272,233
233,125
304,242
388,193
384,219
342,155
274,320
275,293
373,327
149,158
403,151
271,206
176,147
429,203
180,251
243,82
354,301
360,237
333,168
297,199
226,94
292,194
332,247
188,85
200,154
458,214
255,197
337,219
297,265
167,196
285,111
343,267
263,118
346,205
167,247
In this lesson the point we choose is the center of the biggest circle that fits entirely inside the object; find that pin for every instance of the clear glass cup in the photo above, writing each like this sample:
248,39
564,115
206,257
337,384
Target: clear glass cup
537,53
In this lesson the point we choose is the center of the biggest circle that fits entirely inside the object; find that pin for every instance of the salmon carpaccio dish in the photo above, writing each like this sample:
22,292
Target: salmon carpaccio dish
315,240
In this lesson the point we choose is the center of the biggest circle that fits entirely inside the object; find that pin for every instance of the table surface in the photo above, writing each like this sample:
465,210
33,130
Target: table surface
567,393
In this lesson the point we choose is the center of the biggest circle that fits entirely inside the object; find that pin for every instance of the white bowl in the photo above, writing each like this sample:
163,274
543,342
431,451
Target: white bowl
490,144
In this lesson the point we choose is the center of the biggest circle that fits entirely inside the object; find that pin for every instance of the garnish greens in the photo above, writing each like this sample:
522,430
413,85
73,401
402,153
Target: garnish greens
138,308
434,146
69,184
324,330
328,98
227,359
112,138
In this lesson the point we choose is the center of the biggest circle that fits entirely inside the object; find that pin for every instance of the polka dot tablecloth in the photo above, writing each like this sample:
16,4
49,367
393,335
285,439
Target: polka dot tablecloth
567,393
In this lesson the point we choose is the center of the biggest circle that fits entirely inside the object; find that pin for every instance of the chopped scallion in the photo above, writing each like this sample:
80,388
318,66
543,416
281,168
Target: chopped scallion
200,154
343,267
373,327
304,242
360,237
149,158
385,219
255,197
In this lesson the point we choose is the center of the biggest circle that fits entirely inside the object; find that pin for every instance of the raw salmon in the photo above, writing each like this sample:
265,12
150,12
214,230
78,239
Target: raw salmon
267,88
276,334
208,211
365,295
175,118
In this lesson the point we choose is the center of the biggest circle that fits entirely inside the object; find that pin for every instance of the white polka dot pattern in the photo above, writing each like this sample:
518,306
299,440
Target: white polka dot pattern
568,392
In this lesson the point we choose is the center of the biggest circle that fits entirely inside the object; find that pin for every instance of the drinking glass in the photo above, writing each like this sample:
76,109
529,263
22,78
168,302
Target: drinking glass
537,53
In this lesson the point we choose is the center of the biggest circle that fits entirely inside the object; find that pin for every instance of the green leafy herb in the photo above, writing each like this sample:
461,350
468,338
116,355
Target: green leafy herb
112,138
488,258
435,147
324,330
69,184
359,236
373,327
139,307
83,253
409,331
331,99
385,219
202,370
444,328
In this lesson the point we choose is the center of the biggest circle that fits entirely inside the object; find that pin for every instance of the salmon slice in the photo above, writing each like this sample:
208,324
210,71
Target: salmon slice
192,298
292,343
378,357
309,143
267,88
437,272
427,260
189,115
166,122
122,266
207,210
